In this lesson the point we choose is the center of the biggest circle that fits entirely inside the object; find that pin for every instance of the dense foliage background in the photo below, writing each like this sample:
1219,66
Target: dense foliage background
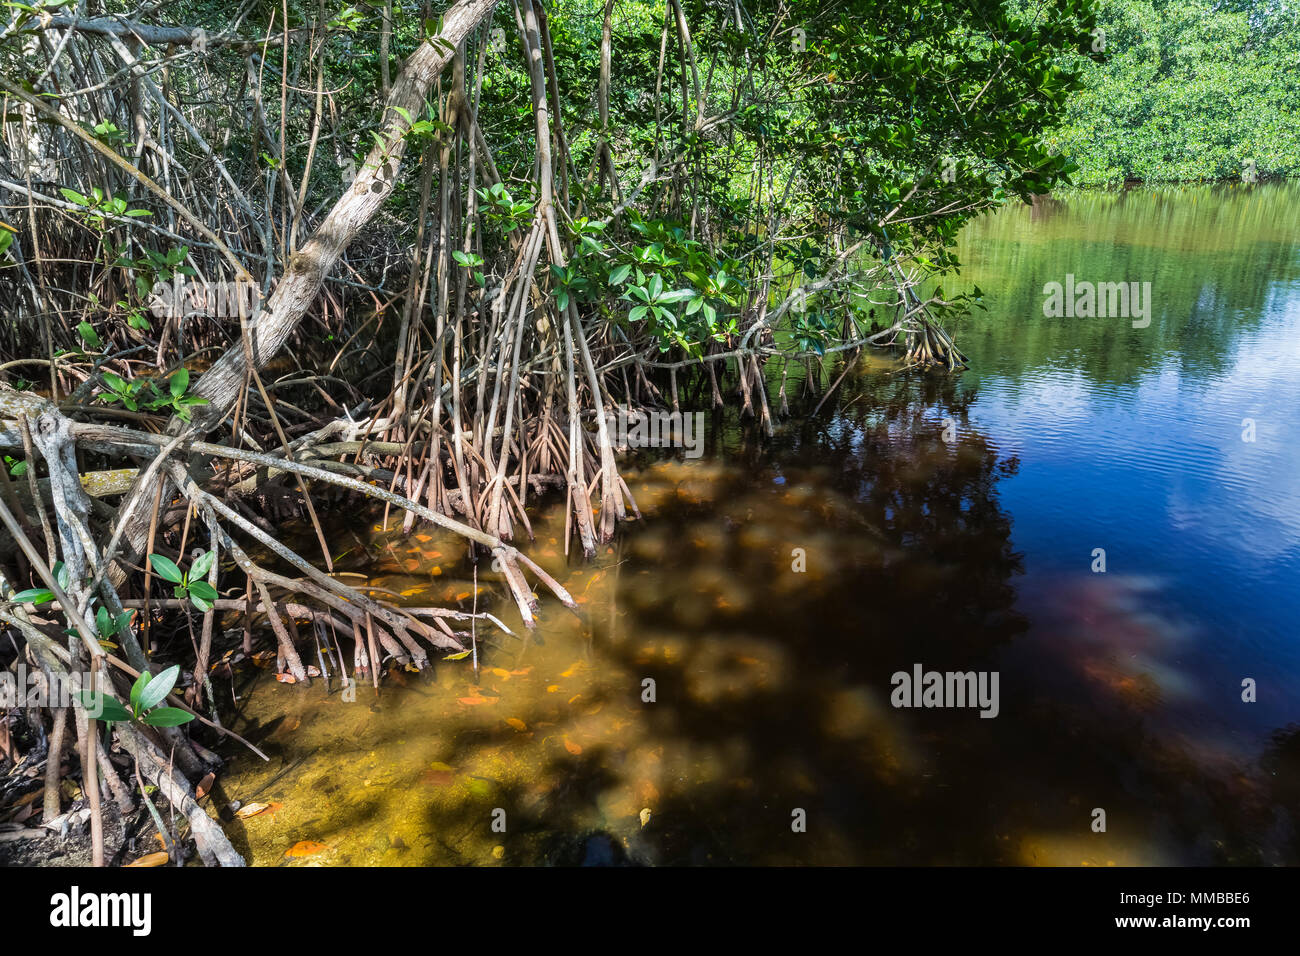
1191,89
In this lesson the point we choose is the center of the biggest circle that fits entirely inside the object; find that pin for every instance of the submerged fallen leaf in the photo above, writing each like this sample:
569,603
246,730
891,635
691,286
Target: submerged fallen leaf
500,672
472,701
253,809
552,689
204,786
305,848
521,672
516,723
151,859
438,778
644,815
286,678
462,595
458,656
498,852
572,747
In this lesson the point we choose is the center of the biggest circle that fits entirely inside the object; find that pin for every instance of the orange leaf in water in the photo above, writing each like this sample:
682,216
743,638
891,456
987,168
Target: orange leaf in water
204,786
462,595
571,747
574,697
522,671
305,848
152,859
553,688
435,571
516,723
423,538
286,678
500,672
472,701
253,809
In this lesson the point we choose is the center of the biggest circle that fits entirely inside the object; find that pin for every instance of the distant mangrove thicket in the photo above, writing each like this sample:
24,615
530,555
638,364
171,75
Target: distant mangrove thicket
1191,89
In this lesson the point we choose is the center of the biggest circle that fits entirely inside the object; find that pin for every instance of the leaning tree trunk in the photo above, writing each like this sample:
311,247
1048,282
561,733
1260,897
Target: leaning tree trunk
307,269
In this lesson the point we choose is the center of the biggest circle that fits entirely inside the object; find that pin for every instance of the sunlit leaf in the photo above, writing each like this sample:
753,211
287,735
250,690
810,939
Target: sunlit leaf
157,689
166,568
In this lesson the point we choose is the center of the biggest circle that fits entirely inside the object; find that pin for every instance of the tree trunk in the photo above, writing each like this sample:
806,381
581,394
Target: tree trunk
307,269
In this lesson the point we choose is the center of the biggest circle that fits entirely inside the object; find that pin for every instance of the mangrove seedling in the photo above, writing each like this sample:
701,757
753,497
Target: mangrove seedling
189,585
146,694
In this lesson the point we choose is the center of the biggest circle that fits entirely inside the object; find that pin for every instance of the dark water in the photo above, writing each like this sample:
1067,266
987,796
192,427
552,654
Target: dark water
966,551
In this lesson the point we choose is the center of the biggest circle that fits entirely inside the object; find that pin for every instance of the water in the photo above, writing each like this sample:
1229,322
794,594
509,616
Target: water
1119,690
